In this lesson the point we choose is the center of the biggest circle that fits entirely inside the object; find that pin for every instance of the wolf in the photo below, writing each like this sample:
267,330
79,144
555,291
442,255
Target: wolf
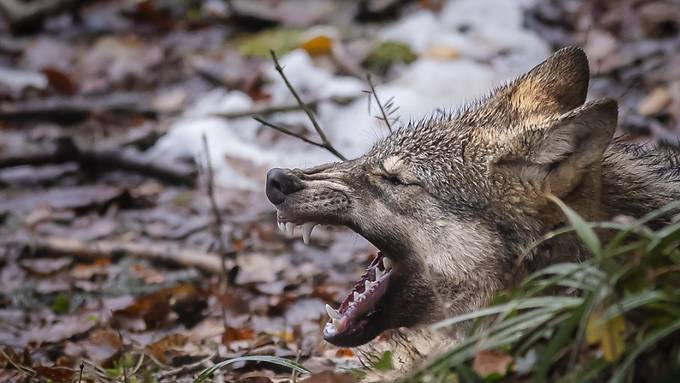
452,201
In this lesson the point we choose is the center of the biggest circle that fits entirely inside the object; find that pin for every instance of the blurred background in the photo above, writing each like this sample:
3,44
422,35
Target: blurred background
113,227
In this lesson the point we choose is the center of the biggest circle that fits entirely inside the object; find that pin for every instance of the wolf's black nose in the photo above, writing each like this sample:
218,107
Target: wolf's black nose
281,182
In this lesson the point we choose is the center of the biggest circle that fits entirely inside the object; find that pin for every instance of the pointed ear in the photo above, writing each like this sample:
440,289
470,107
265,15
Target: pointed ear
557,156
554,87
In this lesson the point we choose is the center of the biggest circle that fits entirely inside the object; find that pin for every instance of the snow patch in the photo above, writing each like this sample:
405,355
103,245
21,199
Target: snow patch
493,47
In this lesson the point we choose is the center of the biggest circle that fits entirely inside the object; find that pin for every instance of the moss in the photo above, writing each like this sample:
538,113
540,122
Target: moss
280,40
386,54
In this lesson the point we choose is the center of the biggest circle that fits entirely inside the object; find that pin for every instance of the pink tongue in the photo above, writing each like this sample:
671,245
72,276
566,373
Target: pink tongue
359,286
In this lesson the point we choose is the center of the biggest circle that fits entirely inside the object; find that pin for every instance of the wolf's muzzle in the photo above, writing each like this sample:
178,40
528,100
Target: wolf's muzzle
280,183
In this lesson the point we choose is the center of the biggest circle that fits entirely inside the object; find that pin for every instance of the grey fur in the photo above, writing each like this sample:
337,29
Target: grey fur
455,199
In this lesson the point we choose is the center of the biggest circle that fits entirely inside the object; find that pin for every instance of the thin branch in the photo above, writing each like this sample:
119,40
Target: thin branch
326,143
80,376
57,246
217,228
377,100
283,108
288,132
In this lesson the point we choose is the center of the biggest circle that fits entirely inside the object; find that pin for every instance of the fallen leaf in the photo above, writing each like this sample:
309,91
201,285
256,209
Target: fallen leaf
55,374
441,52
61,81
65,328
489,362
608,334
185,299
102,345
232,334
166,347
656,101
88,270
317,45
45,266
146,273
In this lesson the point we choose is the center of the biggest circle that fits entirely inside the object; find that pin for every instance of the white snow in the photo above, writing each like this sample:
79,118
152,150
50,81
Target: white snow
493,47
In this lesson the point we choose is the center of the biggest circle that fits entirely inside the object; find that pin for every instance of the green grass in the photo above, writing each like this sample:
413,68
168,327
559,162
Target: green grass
619,322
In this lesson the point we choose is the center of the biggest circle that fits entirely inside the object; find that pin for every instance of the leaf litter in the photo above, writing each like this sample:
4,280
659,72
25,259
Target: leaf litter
132,287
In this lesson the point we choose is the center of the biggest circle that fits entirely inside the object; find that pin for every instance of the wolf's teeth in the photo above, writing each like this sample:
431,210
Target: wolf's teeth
290,229
334,314
282,227
336,323
367,285
356,296
378,273
387,263
307,232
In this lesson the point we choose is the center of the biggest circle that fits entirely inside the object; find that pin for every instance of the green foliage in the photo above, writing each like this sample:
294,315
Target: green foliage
61,304
388,53
614,318
385,362
280,40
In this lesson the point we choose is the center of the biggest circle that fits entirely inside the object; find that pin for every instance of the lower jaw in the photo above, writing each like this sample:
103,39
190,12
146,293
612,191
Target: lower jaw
361,332
359,318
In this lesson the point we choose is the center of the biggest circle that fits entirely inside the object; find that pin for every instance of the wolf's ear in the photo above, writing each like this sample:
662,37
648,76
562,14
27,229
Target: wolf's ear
556,156
556,86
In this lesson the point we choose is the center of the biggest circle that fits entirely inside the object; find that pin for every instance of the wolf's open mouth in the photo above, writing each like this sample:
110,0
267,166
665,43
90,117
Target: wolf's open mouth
349,324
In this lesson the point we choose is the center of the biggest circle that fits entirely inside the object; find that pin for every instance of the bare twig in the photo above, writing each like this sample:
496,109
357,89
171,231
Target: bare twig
288,132
377,100
217,226
80,376
283,108
99,161
326,143
206,262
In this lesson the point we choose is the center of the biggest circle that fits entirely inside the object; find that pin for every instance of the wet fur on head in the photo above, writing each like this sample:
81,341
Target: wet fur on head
454,199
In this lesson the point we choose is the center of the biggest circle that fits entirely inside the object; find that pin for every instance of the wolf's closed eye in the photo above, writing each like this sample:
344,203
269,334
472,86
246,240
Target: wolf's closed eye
393,179
397,180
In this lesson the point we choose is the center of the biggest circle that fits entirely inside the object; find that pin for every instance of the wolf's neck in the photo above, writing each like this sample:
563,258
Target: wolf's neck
636,181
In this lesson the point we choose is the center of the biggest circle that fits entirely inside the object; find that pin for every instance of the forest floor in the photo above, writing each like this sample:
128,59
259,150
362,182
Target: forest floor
112,265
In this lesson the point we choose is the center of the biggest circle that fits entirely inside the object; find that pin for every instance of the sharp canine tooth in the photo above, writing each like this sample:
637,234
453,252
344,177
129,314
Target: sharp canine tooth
378,273
367,285
336,323
356,296
307,232
387,263
332,313
282,227
290,228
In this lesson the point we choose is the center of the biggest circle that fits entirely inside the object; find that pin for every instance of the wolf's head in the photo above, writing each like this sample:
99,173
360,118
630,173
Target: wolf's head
452,201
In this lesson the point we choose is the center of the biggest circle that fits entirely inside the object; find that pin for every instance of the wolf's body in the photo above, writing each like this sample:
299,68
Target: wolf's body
453,201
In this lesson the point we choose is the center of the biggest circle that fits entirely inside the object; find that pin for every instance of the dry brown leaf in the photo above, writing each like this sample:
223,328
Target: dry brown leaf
55,374
656,101
102,345
489,362
88,270
148,274
167,347
61,81
235,334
